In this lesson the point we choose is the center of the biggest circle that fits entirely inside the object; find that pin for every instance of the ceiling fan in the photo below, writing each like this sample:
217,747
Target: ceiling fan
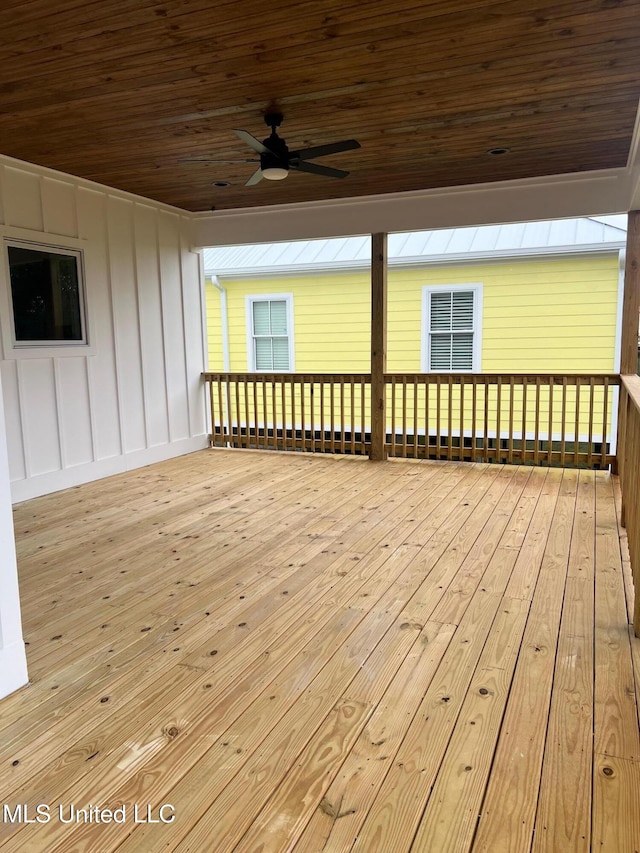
275,158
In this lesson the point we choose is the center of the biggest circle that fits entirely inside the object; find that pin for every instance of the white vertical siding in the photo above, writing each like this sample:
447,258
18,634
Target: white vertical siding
135,396
13,662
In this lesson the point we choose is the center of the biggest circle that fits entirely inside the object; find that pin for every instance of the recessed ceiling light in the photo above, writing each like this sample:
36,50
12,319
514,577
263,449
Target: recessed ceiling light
496,151
221,183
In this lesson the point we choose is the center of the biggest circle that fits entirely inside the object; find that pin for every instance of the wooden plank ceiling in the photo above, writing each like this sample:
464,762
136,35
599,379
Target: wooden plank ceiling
118,90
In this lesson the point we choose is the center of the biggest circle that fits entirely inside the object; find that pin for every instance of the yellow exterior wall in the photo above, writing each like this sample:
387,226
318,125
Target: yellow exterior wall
214,327
543,315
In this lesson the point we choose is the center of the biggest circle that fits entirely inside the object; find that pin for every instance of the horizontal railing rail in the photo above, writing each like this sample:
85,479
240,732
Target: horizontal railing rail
629,470
516,418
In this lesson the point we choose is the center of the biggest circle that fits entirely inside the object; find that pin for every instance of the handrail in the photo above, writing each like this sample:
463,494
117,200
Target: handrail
629,470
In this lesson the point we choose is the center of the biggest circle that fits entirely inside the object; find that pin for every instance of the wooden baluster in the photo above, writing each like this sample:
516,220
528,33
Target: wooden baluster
550,435
223,429
498,413
393,415
438,414
486,420
322,424
265,422
563,426
525,388
303,420
605,425
352,425
365,409
312,411
342,430
576,457
230,438
536,439
245,389
461,439
283,403
415,417
404,417
511,403
590,436
274,410
449,417
426,418
256,420
474,406
212,410
294,439
333,418
240,436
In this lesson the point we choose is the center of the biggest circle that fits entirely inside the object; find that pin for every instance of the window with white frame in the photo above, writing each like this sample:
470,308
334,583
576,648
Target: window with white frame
47,295
452,328
270,332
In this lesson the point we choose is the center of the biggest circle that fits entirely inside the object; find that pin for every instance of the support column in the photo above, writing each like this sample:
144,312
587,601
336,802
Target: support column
378,345
631,301
13,661
629,337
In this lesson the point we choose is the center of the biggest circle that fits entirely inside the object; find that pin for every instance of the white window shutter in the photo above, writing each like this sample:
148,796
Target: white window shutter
440,312
462,352
462,313
451,330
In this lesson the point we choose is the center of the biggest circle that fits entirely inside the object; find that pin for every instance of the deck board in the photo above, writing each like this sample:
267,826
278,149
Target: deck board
322,654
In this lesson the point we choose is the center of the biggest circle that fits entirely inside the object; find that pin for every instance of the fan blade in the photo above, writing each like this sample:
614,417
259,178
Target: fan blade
252,142
323,150
210,160
255,178
314,169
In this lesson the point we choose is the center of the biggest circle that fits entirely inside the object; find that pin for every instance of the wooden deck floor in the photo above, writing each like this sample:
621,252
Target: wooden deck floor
324,654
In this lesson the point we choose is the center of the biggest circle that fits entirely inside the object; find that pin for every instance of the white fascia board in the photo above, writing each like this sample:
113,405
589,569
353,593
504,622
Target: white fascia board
418,261
551,197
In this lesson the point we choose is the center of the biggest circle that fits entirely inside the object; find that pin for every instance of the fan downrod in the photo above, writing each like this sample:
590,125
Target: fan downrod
273,120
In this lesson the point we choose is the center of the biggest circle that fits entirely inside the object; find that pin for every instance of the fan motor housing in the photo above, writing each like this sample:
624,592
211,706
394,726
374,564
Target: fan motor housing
278,156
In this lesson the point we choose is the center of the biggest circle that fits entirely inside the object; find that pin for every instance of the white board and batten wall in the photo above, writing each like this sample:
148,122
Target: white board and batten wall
134,395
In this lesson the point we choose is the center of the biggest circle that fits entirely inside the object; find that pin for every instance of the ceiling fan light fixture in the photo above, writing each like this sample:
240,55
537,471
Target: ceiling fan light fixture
275,173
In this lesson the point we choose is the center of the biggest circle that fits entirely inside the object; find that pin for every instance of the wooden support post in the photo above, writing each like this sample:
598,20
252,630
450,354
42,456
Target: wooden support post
629,336
631,302
378,345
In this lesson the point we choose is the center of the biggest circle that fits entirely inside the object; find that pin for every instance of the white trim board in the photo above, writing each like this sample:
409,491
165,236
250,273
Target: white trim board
550,197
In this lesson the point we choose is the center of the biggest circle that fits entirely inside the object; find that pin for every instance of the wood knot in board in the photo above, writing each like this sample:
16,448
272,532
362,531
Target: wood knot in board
172,732
608,771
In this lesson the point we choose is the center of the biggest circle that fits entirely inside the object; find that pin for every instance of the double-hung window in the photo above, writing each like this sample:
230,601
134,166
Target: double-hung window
452,328
270,332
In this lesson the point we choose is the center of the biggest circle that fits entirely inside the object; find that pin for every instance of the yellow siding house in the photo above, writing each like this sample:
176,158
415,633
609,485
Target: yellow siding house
535,297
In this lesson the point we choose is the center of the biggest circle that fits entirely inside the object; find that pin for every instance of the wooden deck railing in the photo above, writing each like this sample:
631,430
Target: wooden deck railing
290,411
629,469
548,419
552,419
